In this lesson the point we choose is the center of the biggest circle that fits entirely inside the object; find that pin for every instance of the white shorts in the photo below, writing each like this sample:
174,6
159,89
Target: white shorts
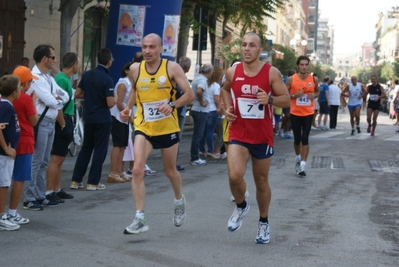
6,167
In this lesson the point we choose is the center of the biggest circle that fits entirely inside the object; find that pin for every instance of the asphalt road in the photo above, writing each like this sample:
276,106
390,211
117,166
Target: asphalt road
344,213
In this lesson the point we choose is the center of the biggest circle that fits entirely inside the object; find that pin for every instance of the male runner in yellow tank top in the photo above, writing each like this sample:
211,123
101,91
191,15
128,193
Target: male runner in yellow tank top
156,123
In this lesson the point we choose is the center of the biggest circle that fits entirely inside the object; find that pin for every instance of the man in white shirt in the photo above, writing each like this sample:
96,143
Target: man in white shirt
50,98
395,102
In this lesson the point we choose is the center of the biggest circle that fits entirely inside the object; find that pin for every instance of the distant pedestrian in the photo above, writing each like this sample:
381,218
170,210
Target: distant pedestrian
324,102
334,95
354,91
375,92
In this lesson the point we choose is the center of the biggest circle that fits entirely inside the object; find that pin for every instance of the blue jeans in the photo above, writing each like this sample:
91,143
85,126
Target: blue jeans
36,188
199,119
95,141
211,122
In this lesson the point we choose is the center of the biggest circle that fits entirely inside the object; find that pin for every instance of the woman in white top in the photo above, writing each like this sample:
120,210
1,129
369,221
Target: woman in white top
213,96
120,129
334,97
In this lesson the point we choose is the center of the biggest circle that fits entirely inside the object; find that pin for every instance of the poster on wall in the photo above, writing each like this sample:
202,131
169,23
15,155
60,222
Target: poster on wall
131,25
170,35
1,46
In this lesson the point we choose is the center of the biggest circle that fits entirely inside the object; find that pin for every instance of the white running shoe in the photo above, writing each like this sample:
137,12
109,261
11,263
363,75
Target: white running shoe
198,162
302,169
180,213
263,236
17,219
235,219
7,225
138,226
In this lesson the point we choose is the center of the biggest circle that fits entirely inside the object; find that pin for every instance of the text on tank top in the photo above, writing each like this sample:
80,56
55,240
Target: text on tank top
152,91
253,124
302,106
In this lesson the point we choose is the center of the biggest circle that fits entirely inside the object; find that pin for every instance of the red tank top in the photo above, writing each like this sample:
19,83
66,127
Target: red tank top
254,122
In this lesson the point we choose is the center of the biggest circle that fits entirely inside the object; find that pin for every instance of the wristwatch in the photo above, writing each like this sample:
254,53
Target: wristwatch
270,101
172,104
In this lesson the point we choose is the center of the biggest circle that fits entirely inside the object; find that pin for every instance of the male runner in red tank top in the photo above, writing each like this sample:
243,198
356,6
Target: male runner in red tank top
248,94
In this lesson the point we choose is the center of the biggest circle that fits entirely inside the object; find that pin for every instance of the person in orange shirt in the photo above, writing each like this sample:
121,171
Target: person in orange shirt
303,88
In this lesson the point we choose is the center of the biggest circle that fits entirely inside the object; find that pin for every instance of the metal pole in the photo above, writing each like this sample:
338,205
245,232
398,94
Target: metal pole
199,39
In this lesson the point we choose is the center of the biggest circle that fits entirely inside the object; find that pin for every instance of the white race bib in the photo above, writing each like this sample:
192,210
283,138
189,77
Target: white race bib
373,97
151,112
250,108
303,100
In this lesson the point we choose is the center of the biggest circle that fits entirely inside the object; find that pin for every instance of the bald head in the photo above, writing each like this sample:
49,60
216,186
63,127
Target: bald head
252,34
154,36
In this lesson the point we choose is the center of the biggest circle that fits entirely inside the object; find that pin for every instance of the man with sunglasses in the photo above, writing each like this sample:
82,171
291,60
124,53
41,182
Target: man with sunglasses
50,98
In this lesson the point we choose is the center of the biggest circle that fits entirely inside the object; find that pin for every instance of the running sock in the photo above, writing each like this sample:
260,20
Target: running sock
140,214
178,201
242,205
13,213
49,192
263,219
298,158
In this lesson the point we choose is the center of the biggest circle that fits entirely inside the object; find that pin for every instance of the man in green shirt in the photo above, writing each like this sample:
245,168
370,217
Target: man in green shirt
63,130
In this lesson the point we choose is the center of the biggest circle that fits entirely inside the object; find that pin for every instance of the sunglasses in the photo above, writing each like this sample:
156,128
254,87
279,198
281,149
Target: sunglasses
52,57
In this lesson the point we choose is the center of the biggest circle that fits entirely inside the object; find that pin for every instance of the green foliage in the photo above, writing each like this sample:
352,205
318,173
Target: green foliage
231,51
284,64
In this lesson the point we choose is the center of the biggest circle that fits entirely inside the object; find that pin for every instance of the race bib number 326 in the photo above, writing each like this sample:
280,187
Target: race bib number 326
151,112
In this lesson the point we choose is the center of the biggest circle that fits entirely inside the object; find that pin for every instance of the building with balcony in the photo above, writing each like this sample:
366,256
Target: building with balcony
386,42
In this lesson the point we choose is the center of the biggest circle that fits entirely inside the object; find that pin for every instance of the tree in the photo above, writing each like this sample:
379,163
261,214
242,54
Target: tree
248,13
284,64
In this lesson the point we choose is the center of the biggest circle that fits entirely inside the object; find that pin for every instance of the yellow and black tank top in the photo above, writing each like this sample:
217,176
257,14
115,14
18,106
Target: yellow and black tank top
153,90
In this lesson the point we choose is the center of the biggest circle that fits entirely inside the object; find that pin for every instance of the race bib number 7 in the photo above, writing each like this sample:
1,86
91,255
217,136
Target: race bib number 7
250,108
151,112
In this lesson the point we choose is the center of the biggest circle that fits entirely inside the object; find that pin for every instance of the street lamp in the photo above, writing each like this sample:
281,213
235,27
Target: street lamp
298,42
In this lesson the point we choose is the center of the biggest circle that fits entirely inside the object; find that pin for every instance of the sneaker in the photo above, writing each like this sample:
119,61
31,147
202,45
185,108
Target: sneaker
263,236
47,203
235,220
64,195
148,171
125,177
372,133
115,178
17,219
369,129
179,168
137,226
94,187
180,213
297,166
128,174
32,205
287,135
54,198
76,185
281,134
232,199
325,128
198,162
224,155
314,128
7,225
302,169
353,132
358,130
